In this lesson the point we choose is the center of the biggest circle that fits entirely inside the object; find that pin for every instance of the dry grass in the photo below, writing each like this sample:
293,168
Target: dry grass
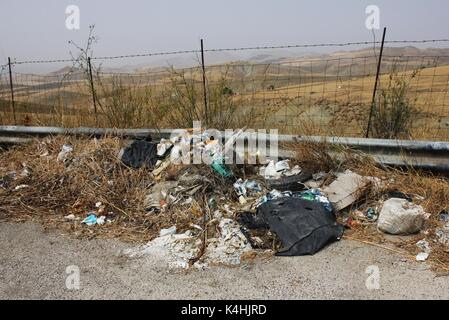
323,156
93,174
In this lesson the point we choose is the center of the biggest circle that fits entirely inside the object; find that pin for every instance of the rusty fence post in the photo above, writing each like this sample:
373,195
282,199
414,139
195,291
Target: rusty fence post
204,84
93,89
12,91
373,101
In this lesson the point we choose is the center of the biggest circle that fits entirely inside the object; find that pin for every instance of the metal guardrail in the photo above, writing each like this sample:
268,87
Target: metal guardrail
418,154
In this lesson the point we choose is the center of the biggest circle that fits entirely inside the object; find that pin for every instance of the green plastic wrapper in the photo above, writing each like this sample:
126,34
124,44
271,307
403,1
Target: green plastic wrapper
221,168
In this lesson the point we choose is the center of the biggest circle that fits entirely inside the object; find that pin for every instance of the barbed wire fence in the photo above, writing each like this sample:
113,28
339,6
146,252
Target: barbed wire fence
328,94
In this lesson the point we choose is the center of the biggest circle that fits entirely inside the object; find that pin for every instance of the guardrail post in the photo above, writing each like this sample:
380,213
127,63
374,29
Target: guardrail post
373,101
12,91
93,89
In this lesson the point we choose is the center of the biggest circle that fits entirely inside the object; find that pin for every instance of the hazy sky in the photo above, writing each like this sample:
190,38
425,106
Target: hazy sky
36,29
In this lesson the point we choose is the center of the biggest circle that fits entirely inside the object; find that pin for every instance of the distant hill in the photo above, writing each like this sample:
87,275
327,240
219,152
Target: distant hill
64,71
341,62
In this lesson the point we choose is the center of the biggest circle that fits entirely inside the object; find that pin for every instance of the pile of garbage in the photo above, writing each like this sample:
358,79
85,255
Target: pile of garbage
279,207
294,220
202,213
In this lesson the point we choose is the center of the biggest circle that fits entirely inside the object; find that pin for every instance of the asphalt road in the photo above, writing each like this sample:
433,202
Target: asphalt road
43,265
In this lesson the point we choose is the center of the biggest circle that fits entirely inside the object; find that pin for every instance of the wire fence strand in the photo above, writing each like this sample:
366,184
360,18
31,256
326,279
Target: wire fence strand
322,95
293,46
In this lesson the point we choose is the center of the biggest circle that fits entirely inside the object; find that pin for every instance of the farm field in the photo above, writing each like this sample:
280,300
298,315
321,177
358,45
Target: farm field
328,95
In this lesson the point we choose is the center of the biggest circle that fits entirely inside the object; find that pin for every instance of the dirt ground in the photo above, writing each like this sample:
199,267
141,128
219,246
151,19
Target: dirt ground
33,265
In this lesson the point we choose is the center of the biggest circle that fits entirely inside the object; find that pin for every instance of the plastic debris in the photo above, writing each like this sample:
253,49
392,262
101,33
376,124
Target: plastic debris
317,180
319,176
157,196
399,216
281,166
399,195
168,231
25,171
92,219
442,235
221,168
6,180
314,195
368,214
424,246
317,196
140,153
163,146
422,256
296,170
247,188
371,214
252,186
217,153
444,216
275,170
272,195
269,172
64,153
351,223
242,200
160,167
304,227
212,203
101,220
290,183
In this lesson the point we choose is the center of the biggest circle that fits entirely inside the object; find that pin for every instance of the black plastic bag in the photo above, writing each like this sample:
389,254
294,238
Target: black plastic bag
290,183
304,227
140,153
